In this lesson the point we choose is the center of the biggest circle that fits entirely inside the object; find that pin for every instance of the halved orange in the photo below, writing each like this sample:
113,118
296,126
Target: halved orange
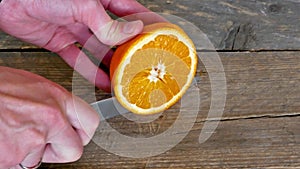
152,71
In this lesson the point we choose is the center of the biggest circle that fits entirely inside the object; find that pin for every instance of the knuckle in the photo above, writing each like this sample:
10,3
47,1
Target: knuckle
52,117
78,153
110,33
73,154
51,114
36,137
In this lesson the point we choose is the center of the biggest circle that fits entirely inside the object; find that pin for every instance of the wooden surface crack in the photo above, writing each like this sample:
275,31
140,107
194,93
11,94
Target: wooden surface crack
283,115
235,36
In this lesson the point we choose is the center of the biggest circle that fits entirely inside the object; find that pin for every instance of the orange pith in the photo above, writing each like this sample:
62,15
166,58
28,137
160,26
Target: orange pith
153,70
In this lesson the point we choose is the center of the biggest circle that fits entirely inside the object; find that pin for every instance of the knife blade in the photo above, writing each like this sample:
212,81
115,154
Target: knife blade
109,108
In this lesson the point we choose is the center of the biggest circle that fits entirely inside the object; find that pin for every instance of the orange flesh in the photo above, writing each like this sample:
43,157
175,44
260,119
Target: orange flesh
157,72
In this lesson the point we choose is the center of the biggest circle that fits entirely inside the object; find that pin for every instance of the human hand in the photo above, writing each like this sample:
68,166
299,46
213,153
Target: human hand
57,24
41,120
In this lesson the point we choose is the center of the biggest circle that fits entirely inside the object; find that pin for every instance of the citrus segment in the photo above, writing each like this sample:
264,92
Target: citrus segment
152,71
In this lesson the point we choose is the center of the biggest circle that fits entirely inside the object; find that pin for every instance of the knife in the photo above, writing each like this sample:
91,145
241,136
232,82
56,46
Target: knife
109,108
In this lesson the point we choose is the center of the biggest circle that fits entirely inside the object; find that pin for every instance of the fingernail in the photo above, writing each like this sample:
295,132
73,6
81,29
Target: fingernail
131,27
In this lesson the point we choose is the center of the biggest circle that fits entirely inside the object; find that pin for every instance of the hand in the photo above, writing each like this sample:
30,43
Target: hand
40,119
57,24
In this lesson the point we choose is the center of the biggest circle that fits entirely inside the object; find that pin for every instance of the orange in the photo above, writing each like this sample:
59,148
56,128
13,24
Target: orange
152,71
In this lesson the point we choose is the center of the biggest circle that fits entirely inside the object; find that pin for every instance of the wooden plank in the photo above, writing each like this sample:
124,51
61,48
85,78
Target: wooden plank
240,25
264,83
259,127
230,25
258,84
243,143
9,42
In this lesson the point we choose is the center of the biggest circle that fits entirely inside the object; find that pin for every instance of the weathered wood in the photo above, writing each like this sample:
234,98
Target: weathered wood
230,25
240,25
244,143
260,124
258,84
259,127
9,42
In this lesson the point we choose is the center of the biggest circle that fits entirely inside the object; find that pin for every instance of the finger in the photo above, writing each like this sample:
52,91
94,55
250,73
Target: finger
90,42
124,7
100,51
63,44
66,146
83,118
146,17
132,10
82,64
116,33
108,31
34,157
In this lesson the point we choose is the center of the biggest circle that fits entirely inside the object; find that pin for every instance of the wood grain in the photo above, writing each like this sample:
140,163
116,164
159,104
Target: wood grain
8,42
263,83
259,127
230,25
258,43
244,143
240,25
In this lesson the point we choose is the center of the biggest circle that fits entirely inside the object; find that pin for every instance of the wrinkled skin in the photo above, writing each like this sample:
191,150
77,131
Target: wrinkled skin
38,118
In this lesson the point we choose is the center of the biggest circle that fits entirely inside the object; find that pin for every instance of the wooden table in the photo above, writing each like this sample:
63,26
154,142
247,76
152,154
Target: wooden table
259,45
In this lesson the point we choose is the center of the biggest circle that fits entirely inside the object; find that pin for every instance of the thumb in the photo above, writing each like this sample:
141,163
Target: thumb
115,32
107,30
